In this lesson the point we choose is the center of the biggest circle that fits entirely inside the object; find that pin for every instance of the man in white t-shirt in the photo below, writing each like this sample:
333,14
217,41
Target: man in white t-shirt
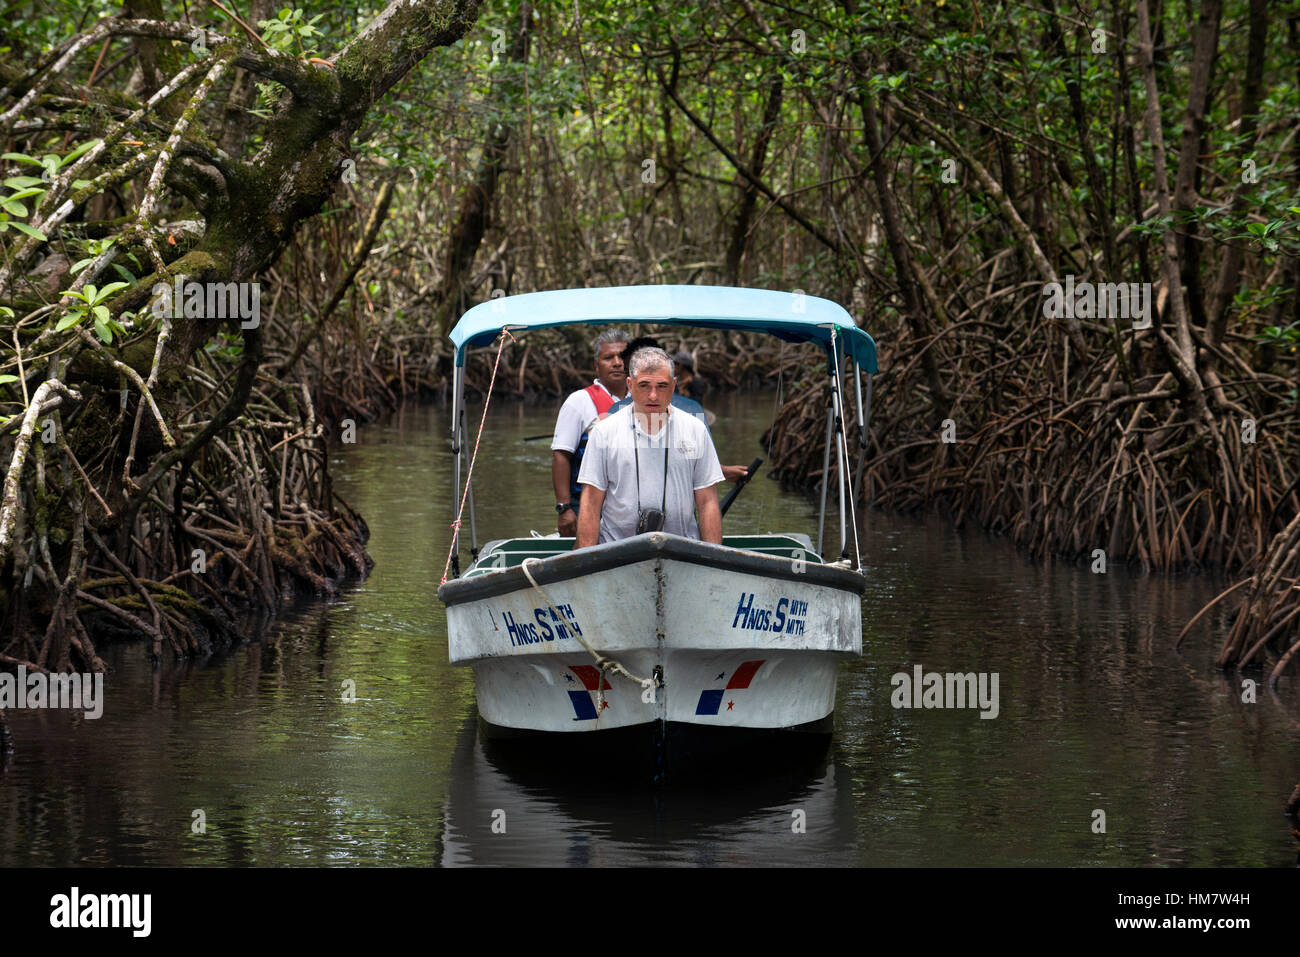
649,456
580,412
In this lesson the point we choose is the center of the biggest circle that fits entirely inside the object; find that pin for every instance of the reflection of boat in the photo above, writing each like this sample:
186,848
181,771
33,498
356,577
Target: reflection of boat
726,643
552,813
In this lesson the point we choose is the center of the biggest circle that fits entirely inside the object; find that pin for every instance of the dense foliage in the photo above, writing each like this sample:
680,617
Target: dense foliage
936,167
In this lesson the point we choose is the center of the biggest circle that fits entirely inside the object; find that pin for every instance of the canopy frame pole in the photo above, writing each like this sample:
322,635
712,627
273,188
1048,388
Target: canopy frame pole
842,450
826,472
864,417
842,481
473,527
457,450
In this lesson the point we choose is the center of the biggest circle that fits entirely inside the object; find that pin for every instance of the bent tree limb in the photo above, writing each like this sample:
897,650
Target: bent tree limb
740,167
1013,219
904,265
1179,351
358,258
9,504
144,431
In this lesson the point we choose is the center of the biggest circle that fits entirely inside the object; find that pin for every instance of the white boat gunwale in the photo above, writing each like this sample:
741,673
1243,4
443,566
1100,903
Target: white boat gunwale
579,563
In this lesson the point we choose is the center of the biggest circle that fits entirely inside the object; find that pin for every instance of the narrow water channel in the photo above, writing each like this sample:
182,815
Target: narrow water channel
1096,712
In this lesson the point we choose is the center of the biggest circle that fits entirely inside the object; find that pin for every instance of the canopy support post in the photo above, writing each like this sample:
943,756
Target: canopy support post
826,472
457,448
473,527
842,459
864,417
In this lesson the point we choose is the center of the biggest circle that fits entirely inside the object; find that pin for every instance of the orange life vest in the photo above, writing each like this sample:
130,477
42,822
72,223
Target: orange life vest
603,402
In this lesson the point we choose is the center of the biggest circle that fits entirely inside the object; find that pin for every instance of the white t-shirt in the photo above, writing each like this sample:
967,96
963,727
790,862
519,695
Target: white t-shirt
576,416
610,464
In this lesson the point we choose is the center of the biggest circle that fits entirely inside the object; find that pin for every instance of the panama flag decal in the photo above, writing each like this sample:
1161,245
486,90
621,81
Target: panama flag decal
584,705
711,699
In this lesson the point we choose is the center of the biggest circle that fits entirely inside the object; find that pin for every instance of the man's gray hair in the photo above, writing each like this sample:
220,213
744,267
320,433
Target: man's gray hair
648,357
611,335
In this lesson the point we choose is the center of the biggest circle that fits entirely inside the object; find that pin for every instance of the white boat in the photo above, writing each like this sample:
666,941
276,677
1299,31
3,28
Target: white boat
667,650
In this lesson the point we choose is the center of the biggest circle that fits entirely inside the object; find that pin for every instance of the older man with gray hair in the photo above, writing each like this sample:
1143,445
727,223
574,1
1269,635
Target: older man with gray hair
649,467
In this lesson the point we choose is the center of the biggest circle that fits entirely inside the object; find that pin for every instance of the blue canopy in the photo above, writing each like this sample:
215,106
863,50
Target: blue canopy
794,317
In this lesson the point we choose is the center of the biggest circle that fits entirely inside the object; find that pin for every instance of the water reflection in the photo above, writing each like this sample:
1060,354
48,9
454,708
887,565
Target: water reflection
507,809
1097,712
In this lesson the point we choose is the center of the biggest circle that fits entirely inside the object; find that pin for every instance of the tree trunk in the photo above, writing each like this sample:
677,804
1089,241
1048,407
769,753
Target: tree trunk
748,191
1205,49
476,204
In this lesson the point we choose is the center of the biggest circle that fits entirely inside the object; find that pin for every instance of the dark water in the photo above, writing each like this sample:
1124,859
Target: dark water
1096,712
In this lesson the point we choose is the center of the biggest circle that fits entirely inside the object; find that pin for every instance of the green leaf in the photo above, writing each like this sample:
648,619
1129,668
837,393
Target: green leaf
79,265
108,290
15,209
6,379
22,182
25,193
21,158
29,230
101,314
102,330
71,319
84,147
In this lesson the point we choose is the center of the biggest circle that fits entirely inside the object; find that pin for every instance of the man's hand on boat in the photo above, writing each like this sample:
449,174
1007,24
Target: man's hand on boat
567,524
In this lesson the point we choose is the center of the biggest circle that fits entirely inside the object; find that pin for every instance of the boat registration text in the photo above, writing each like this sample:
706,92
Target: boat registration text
545,626
787,618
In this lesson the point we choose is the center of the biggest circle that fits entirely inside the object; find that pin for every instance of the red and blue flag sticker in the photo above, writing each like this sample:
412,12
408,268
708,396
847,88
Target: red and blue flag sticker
583,705
711,698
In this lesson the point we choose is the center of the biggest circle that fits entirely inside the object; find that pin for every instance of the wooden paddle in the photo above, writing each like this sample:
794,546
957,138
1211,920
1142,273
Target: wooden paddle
743,481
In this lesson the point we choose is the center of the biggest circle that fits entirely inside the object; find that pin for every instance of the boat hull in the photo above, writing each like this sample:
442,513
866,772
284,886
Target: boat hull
661,752
737,640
